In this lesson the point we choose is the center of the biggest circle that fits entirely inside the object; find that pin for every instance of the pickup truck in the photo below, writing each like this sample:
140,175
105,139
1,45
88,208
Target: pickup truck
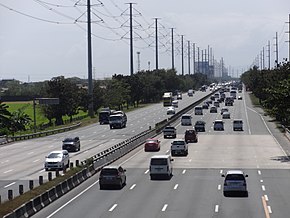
169,131
71,144
179,147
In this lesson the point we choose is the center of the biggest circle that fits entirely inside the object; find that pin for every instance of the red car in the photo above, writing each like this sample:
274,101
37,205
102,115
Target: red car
152,145
190,136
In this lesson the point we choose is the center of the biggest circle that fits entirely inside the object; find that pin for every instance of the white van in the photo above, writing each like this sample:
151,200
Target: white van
186,120
198,110
160,166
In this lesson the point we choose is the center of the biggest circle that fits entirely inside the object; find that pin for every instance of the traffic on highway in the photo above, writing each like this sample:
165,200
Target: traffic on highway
230,168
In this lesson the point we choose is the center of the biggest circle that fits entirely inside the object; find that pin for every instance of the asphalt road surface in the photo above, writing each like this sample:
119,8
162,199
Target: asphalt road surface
23,161
196,187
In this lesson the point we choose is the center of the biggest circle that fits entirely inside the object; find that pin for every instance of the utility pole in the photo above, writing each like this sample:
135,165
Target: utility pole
188,51
90,79
288,38
198,67
193,57
131,41
138,61
156,41
172,49
202,62
263,52
182,61
276,45
269,55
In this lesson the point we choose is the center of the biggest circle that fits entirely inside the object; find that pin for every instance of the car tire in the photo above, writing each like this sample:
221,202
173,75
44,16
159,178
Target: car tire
226,194
102,187
120,185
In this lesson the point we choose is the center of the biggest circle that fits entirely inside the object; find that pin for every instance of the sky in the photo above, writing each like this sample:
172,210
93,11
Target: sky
42,39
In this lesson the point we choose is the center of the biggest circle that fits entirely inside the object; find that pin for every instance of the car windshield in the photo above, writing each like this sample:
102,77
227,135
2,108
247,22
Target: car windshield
55,155
178,142
158,161
235,177
106,172
185,117
68,140
113,118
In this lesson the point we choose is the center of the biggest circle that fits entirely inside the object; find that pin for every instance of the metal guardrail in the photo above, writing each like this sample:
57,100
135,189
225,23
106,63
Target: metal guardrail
99,160
41,134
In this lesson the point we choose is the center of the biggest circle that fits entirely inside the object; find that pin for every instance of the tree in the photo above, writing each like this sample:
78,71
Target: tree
18,121
4,116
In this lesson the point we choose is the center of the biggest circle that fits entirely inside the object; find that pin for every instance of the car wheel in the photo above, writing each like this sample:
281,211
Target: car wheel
226,194
120,185
246,194
101,187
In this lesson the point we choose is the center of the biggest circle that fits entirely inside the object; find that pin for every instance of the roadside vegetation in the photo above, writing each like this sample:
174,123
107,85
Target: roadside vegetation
119,93
272,89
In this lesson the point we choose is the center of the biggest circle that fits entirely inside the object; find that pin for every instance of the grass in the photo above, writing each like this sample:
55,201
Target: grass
255,100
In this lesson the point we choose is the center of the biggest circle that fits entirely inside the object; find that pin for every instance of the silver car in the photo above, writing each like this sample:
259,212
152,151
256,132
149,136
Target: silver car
57,160
235,182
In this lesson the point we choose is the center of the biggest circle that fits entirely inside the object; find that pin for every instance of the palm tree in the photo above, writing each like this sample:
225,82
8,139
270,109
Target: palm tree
4,116
18,121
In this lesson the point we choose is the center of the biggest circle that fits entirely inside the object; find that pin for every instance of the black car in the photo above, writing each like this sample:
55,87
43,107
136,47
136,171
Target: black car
71,144
213,109
112,176
199,126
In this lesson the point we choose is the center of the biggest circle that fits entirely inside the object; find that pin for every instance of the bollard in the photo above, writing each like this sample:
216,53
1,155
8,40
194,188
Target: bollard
149,127
40,180
0,199
71,165
10,194
57,173
49,176
30,184
77,163
21,191
64,170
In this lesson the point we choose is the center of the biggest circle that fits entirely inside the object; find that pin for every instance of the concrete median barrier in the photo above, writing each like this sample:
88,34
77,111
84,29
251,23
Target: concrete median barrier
37,203
45,199
52,194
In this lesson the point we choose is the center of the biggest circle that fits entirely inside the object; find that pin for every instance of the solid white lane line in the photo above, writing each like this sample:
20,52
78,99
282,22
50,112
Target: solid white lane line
183,171
266,197
113,207
269,209
42,170
133,186
30,153
8,171
219,187
86,151
175,187
259,172
164,207
35,161
263,188
9,185
216,209
146,171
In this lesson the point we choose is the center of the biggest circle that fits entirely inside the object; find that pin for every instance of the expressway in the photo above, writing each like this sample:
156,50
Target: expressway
195,190
23,161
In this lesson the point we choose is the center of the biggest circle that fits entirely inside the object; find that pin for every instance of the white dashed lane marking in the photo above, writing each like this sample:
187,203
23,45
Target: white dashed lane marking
164,207
113,207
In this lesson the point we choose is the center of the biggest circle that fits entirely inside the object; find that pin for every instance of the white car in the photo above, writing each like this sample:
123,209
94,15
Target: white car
224,109
235,181
186,120
170,110
57,160
179,147
174,103
226,115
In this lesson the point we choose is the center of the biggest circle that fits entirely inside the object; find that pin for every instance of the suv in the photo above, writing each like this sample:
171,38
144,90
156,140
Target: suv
186,120
112,176
235,181
179,147
169,131
199,126
190,136
71,144
213,109
238,125
218,125
57,160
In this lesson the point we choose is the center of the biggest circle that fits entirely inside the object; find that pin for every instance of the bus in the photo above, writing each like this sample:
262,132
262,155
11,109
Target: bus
167,99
